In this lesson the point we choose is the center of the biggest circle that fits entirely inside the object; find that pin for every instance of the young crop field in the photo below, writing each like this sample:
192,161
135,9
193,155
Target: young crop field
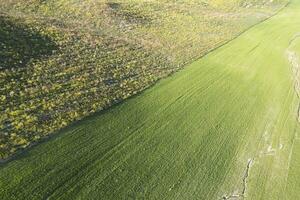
224,127
63,60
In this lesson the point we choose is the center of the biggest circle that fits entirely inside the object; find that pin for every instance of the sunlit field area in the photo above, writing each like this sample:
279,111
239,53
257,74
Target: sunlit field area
136,99
63,60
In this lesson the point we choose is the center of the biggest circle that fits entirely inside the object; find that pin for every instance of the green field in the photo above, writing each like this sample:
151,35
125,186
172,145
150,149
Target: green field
63,60
224,127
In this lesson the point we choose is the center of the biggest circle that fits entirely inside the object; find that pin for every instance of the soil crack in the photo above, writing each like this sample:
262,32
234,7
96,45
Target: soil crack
242,194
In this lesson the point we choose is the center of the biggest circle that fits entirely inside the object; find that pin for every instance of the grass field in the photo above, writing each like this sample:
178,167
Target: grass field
63,60
225,127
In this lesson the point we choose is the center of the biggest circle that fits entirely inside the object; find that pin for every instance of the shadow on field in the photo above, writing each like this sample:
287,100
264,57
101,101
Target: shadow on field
19,44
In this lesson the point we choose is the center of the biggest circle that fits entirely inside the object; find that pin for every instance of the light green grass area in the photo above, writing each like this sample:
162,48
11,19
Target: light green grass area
225,127
62,60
